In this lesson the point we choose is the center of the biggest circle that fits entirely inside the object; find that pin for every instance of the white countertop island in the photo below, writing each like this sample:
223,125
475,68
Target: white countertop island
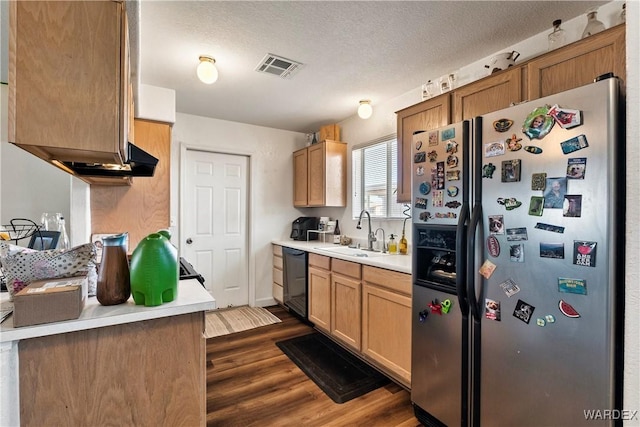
140,346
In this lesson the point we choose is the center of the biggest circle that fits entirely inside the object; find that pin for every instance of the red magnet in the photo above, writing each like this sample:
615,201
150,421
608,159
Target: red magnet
436,307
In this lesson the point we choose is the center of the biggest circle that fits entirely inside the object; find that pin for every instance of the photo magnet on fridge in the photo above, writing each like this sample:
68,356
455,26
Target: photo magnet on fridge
420,157
538,181
437,198
523,311
576,167
517,234
496,224
538,123
511,170
448,134
421,203
572,206
556,189
492,309
492,149
516,252
433,138
584,253
536,206
487,269
572,286
549,227
552,250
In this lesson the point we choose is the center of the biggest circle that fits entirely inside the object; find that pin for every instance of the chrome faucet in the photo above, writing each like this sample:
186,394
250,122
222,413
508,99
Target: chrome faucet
384,240
370,236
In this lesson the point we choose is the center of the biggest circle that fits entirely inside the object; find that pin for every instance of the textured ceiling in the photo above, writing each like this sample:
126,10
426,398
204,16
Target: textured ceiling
351,50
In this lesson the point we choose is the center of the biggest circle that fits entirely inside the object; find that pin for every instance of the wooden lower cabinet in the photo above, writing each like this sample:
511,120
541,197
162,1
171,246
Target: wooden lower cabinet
319,296
278,277
346,297
149,373
386,321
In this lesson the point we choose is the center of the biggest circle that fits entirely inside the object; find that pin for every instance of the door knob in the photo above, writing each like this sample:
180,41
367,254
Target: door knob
189,241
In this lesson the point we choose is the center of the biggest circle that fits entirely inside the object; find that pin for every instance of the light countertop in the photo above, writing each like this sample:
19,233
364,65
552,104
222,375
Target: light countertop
396,262
192,297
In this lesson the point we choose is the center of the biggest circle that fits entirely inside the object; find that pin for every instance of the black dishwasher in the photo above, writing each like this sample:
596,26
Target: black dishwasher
295,281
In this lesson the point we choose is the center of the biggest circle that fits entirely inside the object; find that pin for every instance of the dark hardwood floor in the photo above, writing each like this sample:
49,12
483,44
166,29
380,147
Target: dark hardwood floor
250,382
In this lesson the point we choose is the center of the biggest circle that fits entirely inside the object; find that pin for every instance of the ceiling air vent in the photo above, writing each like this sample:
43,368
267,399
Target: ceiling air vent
278,66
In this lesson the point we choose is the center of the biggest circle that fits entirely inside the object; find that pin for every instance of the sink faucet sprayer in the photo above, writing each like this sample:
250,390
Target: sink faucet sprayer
370,236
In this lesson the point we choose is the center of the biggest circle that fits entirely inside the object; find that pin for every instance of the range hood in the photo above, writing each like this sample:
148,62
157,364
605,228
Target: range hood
138,163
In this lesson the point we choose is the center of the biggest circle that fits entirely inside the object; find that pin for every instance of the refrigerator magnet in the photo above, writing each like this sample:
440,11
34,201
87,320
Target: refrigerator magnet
516,252
452,191
513,143
418,144
538,123
538,181
510,287
487,170
502,125
550,318
421,203
540,322
523,311
454,204
452,161
584,253
556,189
552,250
509,203
565,117
436,307
517,234
437,198
420,170
536,205
567,309
446,306
549,227
451,147
448,134
425,216
574,144
511,170
576,167
493,246
493,149
425,188
487,269
572,286
453,175
433,156
433,138
492,309
533,149
419,157
496,224
572,206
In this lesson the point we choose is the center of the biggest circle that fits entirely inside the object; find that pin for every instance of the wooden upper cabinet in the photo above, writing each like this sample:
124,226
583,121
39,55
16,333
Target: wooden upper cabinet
578,64
69,95
491,93
319,175
429,114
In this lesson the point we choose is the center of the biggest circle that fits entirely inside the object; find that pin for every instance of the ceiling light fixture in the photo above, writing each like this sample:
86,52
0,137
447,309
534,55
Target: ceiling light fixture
207,71
365,110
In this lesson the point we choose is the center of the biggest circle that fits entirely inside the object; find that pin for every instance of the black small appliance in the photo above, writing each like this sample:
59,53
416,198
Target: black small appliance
300,226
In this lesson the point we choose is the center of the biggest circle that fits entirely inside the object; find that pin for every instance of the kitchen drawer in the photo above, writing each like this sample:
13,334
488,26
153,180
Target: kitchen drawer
346,268
393,280
277,276
320,261
277,262
277,250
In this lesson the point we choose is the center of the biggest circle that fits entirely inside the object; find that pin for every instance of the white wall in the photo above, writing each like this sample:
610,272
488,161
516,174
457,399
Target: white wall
271,184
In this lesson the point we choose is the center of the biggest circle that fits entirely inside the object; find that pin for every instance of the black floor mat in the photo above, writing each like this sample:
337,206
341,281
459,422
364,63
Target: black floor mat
338,373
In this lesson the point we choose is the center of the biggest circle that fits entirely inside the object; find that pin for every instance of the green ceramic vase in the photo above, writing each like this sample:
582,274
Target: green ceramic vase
154,270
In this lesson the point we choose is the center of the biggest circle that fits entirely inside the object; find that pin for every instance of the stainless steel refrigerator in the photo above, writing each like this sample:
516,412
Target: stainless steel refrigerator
518,240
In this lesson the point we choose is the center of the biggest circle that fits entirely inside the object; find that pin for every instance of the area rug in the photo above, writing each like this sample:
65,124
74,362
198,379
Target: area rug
338,373
237,319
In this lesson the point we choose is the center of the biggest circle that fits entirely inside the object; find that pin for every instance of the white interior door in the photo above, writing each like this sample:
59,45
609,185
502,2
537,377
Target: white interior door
215,222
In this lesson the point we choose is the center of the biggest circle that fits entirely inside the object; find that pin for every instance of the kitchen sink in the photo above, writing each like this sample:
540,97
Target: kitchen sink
355,252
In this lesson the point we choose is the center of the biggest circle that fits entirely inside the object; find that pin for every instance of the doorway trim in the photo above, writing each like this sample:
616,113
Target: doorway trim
250,203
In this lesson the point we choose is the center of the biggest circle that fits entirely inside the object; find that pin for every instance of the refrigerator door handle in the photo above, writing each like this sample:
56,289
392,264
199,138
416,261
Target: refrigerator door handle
461,267
474,300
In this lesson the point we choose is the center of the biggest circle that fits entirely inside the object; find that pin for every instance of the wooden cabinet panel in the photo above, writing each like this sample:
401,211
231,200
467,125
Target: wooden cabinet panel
320,298
300,178
150,372
394,280
346,317
277,273
67,96
346,268
322,180
492,93
428,114
578,64
142,208
386,330
320,261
